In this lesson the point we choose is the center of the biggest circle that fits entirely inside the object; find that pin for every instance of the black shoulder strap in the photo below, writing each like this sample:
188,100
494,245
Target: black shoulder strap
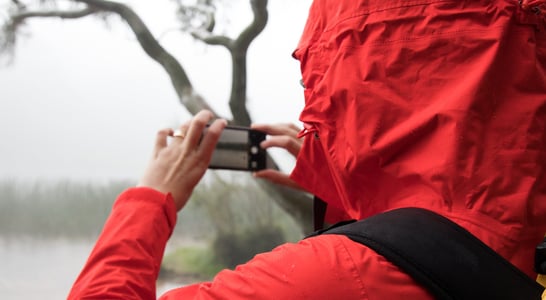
440,255
319,213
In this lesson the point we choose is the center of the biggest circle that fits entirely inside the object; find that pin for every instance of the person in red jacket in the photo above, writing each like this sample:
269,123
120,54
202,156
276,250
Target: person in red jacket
437,104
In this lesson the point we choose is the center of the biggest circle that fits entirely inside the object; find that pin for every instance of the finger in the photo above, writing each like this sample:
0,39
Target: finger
294,127
277,129
277,177
211,139
180,134
290,144
196,127
161,140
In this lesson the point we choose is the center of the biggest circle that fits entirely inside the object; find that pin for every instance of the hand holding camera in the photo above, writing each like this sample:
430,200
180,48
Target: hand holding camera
178,166
282,136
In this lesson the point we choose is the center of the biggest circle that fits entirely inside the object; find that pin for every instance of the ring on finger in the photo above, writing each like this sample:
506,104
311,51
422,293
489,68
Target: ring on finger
179,134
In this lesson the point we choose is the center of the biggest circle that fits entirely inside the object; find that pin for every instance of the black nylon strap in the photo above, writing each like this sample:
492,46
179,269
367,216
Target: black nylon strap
540,258
319,213
442,256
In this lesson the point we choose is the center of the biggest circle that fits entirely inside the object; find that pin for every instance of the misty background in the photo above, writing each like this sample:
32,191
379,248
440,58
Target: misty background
82,100
80,104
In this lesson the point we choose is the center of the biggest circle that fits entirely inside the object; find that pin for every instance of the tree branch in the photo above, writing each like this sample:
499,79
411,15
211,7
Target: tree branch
19,18
295,203
18,4
238,97
182,85
238,50
211,39
21,14
259,9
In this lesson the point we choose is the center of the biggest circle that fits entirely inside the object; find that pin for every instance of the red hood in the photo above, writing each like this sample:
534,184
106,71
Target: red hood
435,104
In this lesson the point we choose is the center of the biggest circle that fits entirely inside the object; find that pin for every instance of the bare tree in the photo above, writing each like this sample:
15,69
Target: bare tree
198,19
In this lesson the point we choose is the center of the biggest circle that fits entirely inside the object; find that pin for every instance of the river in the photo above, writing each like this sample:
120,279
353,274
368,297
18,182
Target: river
39,269
43,269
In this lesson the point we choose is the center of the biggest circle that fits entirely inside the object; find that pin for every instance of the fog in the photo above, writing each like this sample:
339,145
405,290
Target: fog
81,99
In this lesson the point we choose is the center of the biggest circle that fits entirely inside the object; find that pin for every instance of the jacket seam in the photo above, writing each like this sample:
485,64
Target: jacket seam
383,8
355,268
424,37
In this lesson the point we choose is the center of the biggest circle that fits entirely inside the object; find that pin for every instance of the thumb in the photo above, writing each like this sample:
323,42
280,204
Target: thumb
277,177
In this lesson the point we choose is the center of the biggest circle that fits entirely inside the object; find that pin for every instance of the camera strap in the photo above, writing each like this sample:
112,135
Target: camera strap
439,254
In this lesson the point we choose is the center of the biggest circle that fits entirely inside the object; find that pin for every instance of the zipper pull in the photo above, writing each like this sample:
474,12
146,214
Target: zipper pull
308,129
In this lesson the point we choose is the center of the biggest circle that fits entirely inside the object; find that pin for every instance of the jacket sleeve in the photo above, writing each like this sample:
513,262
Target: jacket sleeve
125,261
316,268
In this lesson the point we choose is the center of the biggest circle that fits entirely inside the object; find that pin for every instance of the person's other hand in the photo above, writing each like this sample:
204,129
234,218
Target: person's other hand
178,166
283,136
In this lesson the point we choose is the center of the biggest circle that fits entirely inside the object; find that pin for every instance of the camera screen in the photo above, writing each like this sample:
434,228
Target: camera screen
238,148
232,151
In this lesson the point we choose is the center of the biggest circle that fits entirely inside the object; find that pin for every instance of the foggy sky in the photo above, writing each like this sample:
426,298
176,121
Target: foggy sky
83,101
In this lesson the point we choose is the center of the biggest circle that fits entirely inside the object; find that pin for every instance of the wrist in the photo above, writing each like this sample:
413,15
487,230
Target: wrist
148,196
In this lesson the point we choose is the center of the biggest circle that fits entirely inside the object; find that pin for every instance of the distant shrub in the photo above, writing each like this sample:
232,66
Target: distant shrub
232,249
245,219
56,209
190,263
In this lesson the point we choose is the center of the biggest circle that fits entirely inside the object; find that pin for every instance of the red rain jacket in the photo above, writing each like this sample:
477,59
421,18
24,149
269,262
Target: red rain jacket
430,103
436,104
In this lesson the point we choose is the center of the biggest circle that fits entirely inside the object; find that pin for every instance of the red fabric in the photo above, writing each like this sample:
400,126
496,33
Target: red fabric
430,103
125,263
326,267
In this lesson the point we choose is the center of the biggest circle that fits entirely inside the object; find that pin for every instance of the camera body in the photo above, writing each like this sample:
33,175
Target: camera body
239,149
